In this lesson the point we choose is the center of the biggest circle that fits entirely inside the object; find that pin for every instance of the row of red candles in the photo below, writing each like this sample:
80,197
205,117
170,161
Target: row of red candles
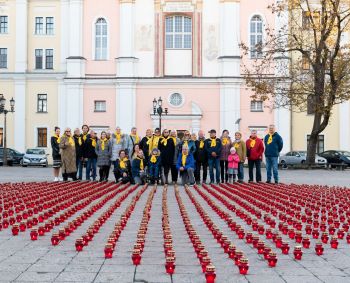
202,254
141,235
94,228
100,198
121,224
275,236
260,245
46,217
283,226
169,252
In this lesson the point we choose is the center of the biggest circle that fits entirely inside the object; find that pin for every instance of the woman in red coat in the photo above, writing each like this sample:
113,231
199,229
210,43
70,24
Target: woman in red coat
255,150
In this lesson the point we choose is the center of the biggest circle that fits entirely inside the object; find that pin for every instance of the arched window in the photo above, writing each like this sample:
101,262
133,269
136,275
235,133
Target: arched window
101,39
178,32
256,37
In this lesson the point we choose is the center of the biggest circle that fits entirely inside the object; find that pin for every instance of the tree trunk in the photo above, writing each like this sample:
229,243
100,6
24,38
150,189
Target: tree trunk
312,145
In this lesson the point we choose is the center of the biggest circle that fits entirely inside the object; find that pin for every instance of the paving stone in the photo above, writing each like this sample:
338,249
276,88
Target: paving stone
114,277
298,279
35,276
68,276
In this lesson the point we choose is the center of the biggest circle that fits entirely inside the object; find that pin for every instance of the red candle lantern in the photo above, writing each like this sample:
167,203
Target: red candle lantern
285,247
55,239
210,274
249,238
15,229
267,251
261,229
22,226
170,265
306,242
319,248
136,257
79,244
261,247
291,233
243,266
241,233
341,233
315,233
34,234
272,259
238,256
334,242
348,238
298,253
231,251
324,237
278,241
205,261
108,250
255,241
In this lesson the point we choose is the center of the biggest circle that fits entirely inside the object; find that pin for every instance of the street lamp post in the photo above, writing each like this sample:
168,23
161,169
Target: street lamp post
158,110
5,111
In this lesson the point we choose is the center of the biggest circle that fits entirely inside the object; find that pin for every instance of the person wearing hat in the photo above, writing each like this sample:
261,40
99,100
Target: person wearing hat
241,150
186,165
213,148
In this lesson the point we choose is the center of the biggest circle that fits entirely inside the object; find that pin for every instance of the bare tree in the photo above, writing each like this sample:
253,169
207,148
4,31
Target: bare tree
310,55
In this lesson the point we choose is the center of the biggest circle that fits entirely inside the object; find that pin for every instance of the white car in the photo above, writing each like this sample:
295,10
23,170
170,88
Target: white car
299,157
35,157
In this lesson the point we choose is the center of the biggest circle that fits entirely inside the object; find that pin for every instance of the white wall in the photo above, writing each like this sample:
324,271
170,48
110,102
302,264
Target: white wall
178,62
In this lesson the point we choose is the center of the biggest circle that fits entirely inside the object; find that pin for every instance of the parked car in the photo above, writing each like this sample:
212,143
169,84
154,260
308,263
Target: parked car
10,157
17,156
35,157
299,157
337,157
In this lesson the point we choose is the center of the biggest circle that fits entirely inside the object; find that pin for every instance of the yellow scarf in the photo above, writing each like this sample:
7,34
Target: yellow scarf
136,138
155,141
84,137
270,139
58,138
224,141
141,163
236,145
165,141
213,142
183,159
103,141
93,142
79,141
118,137
71,141
174,139
252,143
201,144
149,143
153,159
122,163
186,143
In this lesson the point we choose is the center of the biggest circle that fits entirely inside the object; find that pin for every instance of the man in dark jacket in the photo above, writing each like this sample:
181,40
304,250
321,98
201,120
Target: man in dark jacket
213,149
255,151
167,150
273,146
185,165
90,154
201,157
78,140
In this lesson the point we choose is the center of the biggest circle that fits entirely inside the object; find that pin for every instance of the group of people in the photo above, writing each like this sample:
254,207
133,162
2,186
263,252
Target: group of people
157,155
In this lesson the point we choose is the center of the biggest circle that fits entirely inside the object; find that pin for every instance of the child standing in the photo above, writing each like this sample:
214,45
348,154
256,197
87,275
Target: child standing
233,160
154,165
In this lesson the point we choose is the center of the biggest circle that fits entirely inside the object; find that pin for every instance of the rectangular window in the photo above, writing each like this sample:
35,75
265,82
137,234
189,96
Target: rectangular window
256,106
320,143
49,25
1,137
311,107
42,103
38,59
39,25
100,106
178,32
49,59
42,137
3,24
3,58
305,63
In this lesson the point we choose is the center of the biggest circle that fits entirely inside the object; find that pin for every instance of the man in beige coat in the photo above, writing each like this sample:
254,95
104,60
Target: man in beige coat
67,150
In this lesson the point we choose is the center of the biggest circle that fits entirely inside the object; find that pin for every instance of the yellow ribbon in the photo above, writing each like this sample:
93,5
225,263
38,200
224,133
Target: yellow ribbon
224,141
183,159
103,143
164,141
155,141
201,144
270,139
153,158
236,145
80,141
118,137
93,142
122,163
213,142
84,137
174,139
186,143
58,138
252,143
136,138
71,141
141,163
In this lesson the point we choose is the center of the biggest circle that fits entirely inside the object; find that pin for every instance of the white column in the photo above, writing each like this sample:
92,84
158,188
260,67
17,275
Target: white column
229,56
126,106
344,122
20,115
72,112
65,33
75,28
21,35
230,105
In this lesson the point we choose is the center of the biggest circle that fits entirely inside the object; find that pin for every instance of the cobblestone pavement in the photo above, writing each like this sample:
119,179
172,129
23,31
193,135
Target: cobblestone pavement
23,260
318,176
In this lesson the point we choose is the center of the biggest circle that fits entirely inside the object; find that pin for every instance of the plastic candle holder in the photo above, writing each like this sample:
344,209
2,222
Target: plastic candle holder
15,229
334,242
108,250
285,248
34,234
306,242
298,253
136,257
79,244
319,249
55,239
170,265
210,274
243,266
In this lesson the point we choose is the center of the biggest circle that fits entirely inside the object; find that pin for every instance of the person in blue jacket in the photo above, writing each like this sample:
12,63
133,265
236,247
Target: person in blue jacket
154,164
273,146
186,165
213,149
138,167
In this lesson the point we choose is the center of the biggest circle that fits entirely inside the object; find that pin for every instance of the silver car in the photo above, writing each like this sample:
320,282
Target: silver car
299,157
35,157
